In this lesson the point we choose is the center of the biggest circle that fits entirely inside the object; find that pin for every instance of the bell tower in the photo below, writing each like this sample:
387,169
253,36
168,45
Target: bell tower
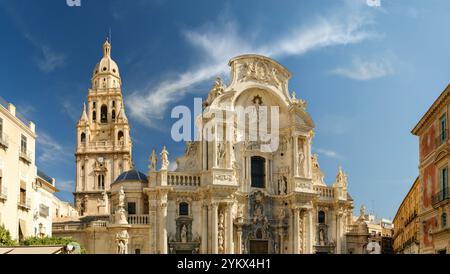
103,138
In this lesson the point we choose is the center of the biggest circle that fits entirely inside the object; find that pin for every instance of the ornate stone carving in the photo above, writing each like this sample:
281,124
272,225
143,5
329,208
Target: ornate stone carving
122,242
221,232
259,71
301,157
183,234
120,214
282,185
215,92
221,153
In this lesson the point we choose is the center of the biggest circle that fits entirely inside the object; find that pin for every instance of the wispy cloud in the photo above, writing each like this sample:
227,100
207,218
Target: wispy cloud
220,42
328,153
364,70
48,59
51,151
65,185
71,110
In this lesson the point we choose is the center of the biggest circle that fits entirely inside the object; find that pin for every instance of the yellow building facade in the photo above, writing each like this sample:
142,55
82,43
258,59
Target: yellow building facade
406,223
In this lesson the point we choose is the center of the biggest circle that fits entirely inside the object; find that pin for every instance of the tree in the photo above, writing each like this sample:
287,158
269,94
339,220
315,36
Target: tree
5,237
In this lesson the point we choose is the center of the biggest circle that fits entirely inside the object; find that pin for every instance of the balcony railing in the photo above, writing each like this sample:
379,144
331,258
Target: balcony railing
25,156
4,142
441,196
182,179
3,193
24,204
442,138
138,219
324,191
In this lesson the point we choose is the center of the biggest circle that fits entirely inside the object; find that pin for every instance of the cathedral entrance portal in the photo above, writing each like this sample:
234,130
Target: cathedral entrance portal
259,247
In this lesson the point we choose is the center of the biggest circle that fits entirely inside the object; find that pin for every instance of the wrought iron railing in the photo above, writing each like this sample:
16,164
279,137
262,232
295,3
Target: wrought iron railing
441,196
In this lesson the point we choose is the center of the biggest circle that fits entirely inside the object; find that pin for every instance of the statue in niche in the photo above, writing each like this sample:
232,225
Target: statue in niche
301,158
164,159
237,171
321,237
153,161
240,212
183,234
282,185
221,152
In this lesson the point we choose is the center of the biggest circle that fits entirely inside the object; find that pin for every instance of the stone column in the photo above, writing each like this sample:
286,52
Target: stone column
281,237
239,240
338,232
291,233
229,248
214,228
204,231
310,232
296,212
163,225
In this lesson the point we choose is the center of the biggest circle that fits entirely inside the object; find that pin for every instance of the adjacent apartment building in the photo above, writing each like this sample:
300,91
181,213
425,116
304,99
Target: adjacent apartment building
17,171
406,223
434,198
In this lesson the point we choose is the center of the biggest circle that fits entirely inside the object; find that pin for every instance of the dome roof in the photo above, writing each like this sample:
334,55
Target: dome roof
106,64
131,175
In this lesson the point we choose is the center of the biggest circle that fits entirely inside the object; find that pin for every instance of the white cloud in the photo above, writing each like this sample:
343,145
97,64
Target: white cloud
50,59
51,152
328,153
218,44
65,185
364,70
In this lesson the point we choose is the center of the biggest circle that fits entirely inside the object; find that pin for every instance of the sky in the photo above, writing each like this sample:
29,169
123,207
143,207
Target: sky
369,70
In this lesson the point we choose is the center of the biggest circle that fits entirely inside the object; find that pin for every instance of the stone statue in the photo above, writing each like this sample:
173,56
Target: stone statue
183,234
362,212
121,198
294,95
221,232
240,212
153,161
221,152
282,185
321,238
164,159
301,158
122,242
216,91
282,214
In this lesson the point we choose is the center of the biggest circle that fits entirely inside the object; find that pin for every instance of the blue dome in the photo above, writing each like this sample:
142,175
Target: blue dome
131,175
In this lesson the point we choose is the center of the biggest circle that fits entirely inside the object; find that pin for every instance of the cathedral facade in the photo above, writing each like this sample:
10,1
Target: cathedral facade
241,194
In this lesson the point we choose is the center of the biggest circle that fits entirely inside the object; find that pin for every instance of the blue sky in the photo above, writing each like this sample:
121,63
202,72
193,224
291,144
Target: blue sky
368,74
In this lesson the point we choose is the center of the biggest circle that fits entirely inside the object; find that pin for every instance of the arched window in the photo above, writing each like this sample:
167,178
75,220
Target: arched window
114,103
94,115
258,168
321,217
83,138
101,181
184,209
113,115
104,114
120,136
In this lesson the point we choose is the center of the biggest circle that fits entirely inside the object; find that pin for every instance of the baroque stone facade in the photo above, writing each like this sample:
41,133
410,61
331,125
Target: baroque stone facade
232,195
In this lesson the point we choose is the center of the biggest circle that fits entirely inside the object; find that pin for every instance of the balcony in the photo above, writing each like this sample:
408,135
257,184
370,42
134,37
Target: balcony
3,194
441,196
25,156
4,143
183,179
24,204
324,192
442,138
138,219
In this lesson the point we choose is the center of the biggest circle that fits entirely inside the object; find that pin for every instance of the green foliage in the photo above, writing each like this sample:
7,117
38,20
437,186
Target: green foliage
54,241
46,241
5,237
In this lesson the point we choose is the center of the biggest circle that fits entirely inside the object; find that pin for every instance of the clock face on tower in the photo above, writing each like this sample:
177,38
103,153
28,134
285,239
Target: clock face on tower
100,160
